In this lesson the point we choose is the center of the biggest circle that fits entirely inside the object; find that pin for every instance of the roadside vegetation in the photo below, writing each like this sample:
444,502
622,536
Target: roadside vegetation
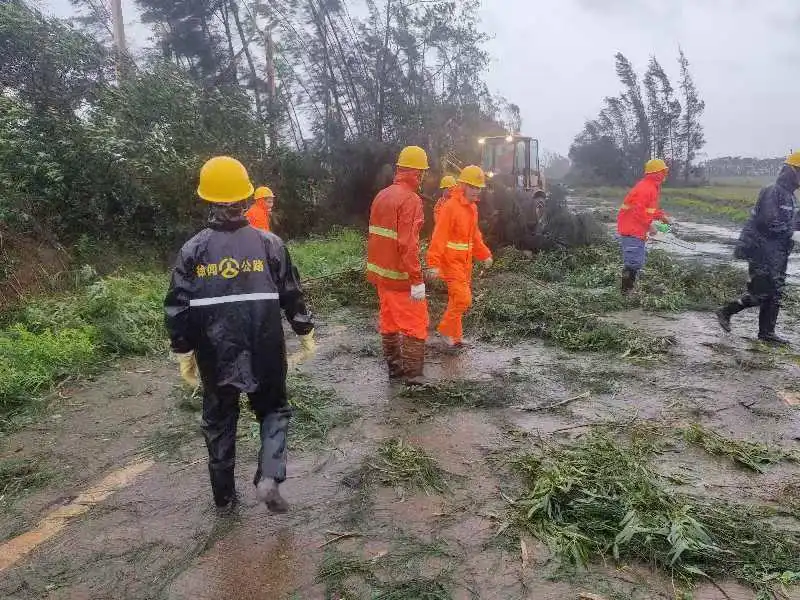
602,499
50,339
562,296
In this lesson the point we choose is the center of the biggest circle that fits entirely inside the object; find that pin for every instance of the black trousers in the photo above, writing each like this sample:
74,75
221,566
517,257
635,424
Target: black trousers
764,290
220,418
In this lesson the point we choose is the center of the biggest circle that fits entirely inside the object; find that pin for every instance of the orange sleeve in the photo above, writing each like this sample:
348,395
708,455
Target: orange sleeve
409,223
441,233
479,249
652,210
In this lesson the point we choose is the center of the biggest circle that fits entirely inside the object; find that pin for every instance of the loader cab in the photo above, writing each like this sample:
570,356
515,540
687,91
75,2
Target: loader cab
513,160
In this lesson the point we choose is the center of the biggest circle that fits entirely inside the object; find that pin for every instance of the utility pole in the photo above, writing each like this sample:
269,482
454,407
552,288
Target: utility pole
119,34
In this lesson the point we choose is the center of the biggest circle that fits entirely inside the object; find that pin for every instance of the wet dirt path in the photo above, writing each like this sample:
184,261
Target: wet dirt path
158,536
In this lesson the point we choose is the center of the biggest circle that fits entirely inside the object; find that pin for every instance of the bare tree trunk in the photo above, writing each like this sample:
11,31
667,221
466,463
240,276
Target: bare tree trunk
347,75
226,21
251,65
382,75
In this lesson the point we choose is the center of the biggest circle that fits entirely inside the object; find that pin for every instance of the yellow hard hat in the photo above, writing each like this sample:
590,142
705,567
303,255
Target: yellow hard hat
473,175
655,166
447,182
263,192
413,157
224,180
794,159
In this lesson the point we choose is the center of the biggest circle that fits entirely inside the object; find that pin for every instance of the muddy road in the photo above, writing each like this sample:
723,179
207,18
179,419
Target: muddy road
125,508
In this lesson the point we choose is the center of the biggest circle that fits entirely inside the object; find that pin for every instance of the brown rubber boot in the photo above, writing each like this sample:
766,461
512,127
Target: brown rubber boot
392,353
413,353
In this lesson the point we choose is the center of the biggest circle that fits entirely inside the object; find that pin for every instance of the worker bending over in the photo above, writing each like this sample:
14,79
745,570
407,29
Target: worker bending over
260,213
447,183
223,313
393,267
456,241
639,216
765,243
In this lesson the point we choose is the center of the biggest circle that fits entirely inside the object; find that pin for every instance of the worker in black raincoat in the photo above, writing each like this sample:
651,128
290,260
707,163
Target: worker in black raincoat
223,312
766,242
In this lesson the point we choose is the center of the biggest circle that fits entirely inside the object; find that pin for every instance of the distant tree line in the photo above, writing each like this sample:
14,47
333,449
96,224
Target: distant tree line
648,119
738,166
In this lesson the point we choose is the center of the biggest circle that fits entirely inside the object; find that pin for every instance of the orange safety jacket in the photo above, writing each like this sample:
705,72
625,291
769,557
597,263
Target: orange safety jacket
640,207
258,214
457,239
395,220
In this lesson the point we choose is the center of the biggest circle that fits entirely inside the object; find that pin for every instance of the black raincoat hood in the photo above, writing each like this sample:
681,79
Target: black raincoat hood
227,217
789,178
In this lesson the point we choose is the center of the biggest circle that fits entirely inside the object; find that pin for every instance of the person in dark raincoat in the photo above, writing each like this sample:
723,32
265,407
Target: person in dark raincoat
223,313
765,243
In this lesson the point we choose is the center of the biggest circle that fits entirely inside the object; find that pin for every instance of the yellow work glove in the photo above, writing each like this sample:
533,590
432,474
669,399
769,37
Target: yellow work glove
308,347
308,343
188,368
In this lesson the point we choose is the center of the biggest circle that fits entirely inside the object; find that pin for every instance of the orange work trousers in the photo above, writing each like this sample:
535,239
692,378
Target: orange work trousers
459,299
400,314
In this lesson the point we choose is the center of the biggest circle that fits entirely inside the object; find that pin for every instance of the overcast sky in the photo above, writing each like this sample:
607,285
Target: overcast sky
555,58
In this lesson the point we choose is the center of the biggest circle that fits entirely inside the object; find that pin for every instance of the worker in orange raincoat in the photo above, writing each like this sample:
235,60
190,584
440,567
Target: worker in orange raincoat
639,216
456,241
259,214
447,183
393,267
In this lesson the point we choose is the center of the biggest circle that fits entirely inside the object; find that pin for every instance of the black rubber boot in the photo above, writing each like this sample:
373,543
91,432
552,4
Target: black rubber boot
767,319
628,281
226,510
725,313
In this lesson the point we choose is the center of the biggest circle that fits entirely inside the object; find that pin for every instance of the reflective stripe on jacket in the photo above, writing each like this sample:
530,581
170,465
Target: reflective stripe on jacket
457,238
640,207
395,221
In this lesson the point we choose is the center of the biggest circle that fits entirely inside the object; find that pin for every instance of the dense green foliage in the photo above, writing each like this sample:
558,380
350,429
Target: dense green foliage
95,149
47,340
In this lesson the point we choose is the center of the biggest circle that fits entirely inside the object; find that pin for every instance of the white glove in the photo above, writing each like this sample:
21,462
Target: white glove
418,292
488,263
434,273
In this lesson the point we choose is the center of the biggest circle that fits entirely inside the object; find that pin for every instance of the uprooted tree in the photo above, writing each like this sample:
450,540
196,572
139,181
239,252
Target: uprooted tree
647,120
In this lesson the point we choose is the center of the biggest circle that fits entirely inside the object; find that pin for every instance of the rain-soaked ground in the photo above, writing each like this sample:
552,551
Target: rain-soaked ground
711,242
152,533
